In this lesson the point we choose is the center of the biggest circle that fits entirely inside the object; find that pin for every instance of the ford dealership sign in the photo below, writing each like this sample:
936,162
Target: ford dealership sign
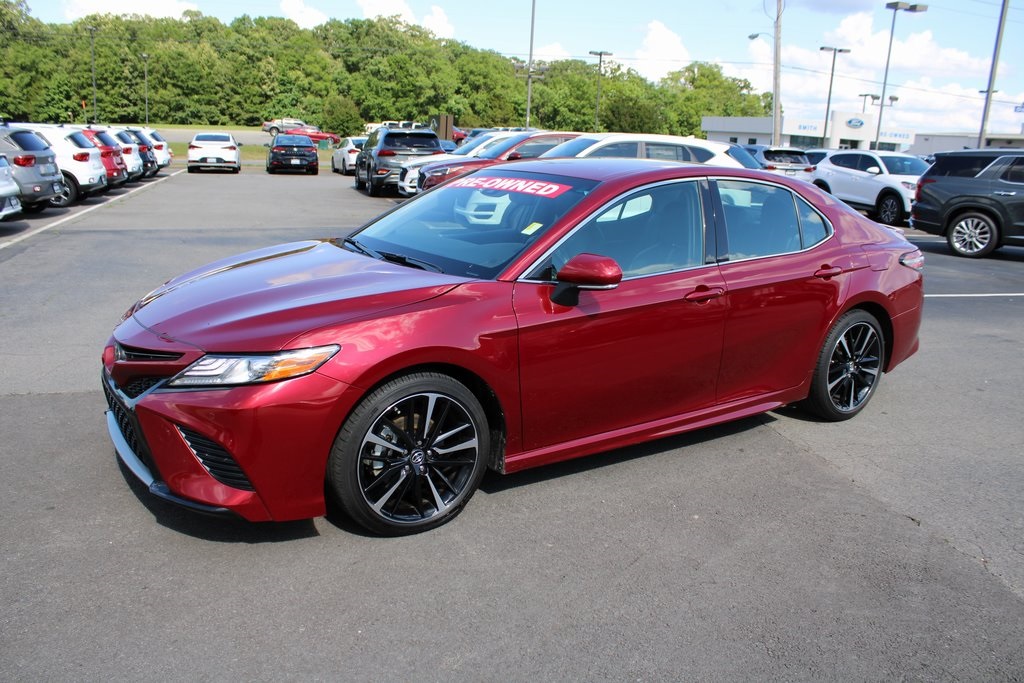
855,123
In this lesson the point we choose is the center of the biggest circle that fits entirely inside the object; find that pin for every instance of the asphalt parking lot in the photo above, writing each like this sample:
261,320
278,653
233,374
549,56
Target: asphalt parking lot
887,547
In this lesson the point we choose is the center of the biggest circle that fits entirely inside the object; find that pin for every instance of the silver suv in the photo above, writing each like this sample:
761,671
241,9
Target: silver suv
79,161
881,183
34,165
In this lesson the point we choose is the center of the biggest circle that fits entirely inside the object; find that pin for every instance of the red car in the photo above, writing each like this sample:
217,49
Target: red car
110,155
526,145
518,316
315,134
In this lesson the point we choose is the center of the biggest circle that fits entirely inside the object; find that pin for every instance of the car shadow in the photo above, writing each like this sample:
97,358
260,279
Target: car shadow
497,483
1008,254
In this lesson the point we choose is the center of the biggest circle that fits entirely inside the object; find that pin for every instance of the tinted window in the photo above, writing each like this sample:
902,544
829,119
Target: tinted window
534,148
571,148
815,157
106,138
630,150
783,157
813,228
760,220
844,160
213,137
961,166
1014,173
412,141
299,140
124,137
156,136
3,161
654,230
904,165
28,141
659,150
743,156
700,154
503,145
79,140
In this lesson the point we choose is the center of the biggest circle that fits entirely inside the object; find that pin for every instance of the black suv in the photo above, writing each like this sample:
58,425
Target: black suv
379,162
974,198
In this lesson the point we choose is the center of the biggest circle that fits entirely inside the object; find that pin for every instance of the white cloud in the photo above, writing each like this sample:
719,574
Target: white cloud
302,14
76,9
438,24
550,53
387,8
662,51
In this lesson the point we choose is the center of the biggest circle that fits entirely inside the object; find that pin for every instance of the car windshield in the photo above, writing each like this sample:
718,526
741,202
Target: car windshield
473,143
503,146
743,156
904,165
473,226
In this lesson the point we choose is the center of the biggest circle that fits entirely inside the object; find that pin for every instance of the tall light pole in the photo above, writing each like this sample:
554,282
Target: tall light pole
831,77
895,7
776,104
600,54
92,51
529,63
145,66
992,72
864,100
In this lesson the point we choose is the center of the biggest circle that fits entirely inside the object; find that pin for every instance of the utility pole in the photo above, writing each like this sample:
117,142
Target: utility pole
92,51
992,73
600,54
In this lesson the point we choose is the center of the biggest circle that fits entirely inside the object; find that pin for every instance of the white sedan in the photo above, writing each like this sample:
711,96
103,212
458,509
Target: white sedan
214,150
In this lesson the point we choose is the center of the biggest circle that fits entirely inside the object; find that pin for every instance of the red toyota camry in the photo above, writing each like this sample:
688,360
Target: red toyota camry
521,315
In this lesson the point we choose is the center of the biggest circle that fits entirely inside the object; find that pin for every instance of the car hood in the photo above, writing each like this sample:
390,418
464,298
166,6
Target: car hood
262,300
413,163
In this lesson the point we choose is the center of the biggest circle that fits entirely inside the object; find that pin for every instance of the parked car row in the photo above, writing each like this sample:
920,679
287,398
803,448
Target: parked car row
59,164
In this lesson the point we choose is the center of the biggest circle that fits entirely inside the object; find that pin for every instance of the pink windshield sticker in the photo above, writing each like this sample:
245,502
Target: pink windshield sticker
521,185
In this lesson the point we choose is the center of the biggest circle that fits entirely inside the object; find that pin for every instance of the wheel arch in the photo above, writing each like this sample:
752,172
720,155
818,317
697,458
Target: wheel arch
881,314
481,389
822,185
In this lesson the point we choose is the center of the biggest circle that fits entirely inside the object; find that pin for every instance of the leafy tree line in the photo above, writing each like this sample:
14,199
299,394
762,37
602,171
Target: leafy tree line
196,70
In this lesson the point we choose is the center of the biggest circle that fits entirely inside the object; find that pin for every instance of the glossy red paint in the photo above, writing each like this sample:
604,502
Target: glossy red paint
630,357
315,134
527,145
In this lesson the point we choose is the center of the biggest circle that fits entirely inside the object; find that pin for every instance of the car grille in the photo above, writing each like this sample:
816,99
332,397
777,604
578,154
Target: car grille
140,385
216,459
129,426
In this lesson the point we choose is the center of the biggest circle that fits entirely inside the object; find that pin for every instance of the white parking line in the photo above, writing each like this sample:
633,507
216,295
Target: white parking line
44,228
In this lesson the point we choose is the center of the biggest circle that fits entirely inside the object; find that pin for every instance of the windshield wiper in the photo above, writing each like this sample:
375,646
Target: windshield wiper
410,261
362,248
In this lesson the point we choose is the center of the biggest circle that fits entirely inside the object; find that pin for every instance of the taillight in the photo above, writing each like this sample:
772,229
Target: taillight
920,184
386,153
309,149
106,153
25,160
128,150
190,147
230,148
808,169
771,167
438,151
913,259
143,149
279,149
158,146
80,156
353,151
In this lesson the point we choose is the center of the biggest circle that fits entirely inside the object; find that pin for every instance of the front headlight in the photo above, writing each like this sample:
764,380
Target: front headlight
222,371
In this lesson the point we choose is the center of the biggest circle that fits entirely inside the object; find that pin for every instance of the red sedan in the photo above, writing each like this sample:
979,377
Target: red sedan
521,315
525,145
315,134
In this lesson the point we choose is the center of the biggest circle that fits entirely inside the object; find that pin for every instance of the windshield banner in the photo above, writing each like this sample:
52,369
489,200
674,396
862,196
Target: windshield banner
524,186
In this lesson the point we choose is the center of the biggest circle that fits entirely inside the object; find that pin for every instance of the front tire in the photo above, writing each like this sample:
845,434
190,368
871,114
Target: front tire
411,455
68,195
358,182
973,235
372,189
274,130
849,367
889,209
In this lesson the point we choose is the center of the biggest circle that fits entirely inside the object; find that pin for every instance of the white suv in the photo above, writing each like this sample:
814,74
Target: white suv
653,146
78,158
881,183
161,148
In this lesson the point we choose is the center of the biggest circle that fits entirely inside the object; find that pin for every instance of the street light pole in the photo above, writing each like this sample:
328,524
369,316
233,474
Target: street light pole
992,73
864,100
600,54
777,78
529,63
92,51
145,66
895,7
832,75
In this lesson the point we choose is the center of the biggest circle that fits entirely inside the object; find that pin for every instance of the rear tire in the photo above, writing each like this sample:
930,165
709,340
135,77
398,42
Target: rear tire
68,196
372,188
359,183
889,209
849,367
973,235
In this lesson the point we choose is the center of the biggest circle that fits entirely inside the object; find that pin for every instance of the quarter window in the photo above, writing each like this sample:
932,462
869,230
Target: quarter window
1014,173
667,152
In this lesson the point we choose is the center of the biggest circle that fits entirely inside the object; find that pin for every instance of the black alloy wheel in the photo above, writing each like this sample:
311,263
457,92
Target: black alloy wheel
973,234
372,188
411,454
849,367
358,182
889,209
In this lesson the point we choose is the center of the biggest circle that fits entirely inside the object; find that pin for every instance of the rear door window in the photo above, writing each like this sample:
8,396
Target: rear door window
29,141
960,166
665,152
79,140
629,150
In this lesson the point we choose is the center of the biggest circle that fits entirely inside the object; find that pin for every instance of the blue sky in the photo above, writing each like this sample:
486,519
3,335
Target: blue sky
940,58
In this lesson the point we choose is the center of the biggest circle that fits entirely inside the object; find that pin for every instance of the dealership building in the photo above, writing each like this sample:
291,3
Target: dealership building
846,130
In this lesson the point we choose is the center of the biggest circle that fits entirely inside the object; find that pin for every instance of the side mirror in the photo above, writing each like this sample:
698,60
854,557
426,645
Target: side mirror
874,170
239,143
514,156
585,271
266,144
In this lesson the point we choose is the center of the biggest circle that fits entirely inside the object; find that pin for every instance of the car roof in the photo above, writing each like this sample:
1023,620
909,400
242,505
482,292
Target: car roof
991,151
611,168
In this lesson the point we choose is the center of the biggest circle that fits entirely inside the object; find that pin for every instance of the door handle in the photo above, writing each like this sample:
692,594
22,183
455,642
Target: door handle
1004,194
825,272
702,294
